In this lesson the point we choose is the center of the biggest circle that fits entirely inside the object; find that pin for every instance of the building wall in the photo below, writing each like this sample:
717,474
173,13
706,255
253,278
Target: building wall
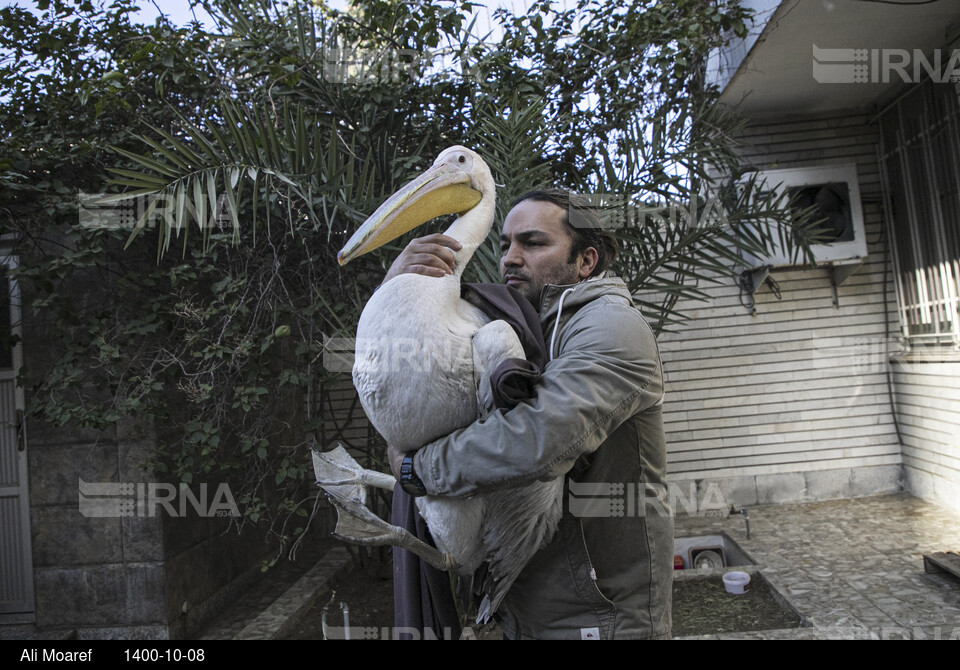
793,402
928,376
208,566
99,576
928,412
150,575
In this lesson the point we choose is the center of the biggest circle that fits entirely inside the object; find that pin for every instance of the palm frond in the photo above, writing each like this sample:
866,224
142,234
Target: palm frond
513,143
235,172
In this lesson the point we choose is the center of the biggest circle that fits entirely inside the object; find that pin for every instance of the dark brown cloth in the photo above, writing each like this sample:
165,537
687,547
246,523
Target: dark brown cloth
423,601
423,604
515,379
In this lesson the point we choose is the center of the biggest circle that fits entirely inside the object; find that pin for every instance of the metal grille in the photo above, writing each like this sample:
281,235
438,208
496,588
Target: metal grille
920,161
16,565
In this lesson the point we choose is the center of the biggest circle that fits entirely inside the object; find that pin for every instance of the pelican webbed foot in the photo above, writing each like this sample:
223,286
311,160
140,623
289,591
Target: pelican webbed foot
358,525
341,476
346,484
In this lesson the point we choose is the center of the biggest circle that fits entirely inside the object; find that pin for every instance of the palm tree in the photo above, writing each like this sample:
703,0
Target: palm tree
296,156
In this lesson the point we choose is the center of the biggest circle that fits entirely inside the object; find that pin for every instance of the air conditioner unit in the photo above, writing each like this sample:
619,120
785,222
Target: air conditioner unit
834,190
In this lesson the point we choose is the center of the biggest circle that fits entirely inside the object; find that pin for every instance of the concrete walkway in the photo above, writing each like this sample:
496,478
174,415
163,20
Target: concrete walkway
852,568
277,605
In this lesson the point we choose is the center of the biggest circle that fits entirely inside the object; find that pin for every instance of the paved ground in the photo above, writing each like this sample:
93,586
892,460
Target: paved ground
274,607
852,568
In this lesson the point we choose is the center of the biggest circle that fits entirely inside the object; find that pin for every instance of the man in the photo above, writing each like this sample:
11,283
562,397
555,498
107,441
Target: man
596,418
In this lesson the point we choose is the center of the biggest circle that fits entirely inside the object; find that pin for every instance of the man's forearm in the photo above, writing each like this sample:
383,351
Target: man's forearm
581,399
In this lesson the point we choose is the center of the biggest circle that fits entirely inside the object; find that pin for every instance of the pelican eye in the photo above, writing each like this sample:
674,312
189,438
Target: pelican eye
462,159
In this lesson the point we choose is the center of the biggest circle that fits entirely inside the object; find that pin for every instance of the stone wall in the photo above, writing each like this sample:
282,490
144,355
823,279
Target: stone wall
102,576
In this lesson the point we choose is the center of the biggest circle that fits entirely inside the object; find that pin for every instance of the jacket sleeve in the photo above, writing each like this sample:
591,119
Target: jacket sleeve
607,369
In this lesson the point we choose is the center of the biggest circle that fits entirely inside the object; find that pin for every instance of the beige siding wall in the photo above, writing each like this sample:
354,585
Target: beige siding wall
792,402
928,404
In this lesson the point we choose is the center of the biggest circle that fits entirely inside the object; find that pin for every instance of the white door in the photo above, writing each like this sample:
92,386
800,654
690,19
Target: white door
16,564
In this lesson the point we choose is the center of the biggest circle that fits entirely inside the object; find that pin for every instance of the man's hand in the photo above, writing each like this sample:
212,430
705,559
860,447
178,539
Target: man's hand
410,483
432,256
395,458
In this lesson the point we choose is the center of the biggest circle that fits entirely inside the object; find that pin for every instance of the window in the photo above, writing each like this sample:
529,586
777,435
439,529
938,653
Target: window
920,162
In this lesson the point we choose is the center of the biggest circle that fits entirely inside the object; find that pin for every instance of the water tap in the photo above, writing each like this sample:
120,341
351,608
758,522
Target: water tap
746,517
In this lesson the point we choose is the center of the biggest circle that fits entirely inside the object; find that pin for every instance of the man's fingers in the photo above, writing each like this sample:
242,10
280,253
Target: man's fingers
431,248
430,271
438,239
434,255
395,458
431,255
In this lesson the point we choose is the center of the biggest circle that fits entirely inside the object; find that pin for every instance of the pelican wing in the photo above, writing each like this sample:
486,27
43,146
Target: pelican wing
519,521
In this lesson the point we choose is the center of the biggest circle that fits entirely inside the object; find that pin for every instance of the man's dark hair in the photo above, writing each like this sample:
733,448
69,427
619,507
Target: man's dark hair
583,224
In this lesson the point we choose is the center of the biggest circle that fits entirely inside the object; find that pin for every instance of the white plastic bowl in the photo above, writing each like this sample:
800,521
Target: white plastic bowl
736,582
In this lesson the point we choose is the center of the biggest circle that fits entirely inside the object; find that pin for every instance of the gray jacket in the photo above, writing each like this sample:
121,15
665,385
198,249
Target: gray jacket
597,419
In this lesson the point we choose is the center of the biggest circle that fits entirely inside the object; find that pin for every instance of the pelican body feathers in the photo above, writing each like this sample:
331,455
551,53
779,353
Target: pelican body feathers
422,366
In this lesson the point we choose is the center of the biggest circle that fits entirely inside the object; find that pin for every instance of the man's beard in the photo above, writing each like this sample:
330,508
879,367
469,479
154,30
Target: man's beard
531,289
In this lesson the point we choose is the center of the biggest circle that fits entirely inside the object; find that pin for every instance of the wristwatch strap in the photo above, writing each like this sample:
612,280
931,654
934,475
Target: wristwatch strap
409,481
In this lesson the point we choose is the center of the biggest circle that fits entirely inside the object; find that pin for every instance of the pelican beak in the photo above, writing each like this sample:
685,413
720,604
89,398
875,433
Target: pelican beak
443,189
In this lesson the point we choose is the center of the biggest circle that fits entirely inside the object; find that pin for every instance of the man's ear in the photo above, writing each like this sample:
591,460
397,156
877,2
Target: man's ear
588,261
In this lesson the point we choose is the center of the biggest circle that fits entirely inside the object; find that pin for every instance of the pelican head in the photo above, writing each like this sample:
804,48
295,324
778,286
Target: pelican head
456,182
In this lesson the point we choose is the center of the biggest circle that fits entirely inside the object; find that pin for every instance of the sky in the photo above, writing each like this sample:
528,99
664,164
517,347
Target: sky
178,11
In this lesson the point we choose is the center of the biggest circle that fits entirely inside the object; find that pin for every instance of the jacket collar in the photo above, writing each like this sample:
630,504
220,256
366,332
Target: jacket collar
582,293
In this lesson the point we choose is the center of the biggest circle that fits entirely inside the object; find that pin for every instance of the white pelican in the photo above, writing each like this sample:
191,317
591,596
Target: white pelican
423,359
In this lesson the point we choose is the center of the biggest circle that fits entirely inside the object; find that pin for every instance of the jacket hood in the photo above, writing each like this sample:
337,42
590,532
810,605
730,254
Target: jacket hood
559,303
576,295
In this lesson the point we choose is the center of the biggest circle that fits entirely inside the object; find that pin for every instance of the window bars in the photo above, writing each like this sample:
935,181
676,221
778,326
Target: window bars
920,165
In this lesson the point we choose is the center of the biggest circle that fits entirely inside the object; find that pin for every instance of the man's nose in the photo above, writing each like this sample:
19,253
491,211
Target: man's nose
512,257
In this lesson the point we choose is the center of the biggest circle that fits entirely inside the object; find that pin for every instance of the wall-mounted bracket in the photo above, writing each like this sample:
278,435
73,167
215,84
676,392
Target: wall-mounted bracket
839,274
752,279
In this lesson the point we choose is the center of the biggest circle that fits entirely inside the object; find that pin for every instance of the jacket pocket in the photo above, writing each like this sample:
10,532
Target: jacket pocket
556,595
585,579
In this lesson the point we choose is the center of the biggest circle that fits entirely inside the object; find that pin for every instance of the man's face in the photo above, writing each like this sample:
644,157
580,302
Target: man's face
535,250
